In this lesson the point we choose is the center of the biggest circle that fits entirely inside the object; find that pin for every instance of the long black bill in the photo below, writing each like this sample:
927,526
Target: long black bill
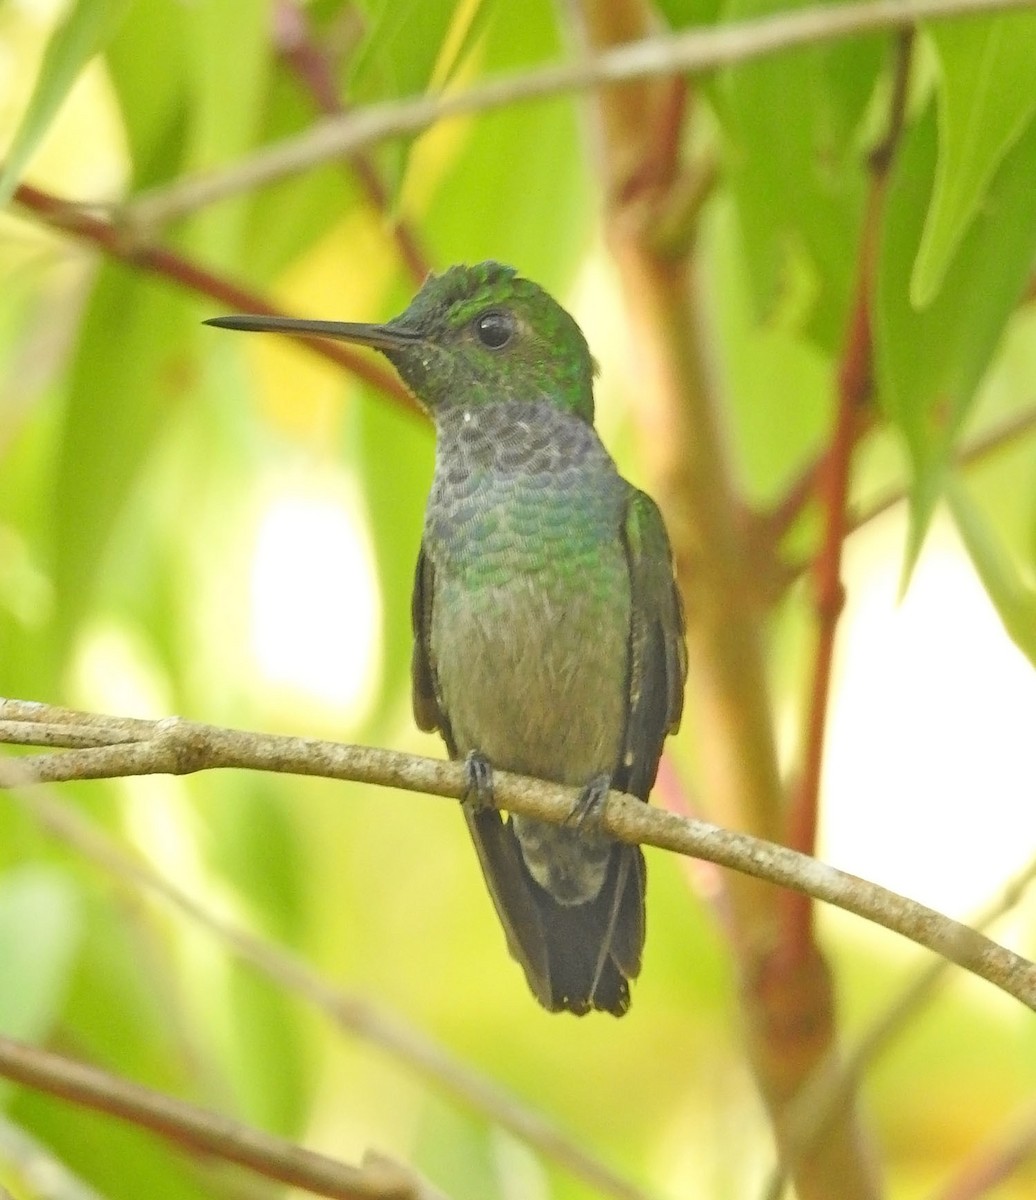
382,337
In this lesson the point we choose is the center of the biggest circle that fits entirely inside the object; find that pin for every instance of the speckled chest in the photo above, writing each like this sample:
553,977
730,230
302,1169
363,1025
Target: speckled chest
531,609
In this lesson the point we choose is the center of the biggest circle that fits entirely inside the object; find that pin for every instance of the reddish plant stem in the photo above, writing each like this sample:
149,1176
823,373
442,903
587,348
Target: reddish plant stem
1004,435
994,1162
116,243
855,387
300,51
774,524
788,1016
768,528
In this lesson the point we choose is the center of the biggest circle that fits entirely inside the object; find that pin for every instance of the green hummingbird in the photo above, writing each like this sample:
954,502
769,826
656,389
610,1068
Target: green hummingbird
548,631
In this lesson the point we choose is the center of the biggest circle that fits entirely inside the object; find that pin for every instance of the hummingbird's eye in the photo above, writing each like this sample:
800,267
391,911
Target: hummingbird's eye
495,329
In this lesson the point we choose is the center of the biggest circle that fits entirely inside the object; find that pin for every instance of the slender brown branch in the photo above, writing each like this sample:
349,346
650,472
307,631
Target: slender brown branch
178,747
299,49
113,241
689,51
771,525
788,1016
996,1160
349,1012
855,384
832,1087
202,1132
1001,437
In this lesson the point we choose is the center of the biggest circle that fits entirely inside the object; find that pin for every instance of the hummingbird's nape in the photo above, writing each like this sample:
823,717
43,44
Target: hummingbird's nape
548,632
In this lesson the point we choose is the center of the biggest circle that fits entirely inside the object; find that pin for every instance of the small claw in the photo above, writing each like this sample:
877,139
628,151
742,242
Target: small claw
589,808
479,791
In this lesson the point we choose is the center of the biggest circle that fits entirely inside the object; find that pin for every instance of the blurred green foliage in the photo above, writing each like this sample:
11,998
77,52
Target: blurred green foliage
147,465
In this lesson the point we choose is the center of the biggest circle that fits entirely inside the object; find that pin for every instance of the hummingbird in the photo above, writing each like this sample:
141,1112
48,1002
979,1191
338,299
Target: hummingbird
548,630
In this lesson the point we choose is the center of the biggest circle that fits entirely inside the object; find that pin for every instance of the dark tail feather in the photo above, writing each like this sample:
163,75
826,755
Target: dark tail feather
575,957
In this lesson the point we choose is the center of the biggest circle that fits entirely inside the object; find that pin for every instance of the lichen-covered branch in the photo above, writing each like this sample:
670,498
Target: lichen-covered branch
349,1012
122,747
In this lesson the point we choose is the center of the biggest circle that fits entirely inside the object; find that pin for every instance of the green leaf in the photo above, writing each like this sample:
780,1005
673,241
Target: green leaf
151,89
411,46
778,384
228,55
130,368
795,169
986,100
1013,598
535,218
39,937
80,36
682,13
410,42
290,216
930,362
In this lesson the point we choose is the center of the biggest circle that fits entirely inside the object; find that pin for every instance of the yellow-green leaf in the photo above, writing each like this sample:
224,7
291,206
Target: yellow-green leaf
986,99
83,33
1013,598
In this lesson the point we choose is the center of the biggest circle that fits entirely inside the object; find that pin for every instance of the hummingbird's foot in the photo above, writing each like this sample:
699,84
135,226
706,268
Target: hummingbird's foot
479,791
589,808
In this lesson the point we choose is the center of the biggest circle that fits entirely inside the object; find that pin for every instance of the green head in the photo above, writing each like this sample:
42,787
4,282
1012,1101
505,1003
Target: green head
471,336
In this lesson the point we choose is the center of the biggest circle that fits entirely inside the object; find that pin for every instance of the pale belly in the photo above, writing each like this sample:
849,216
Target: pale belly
534,678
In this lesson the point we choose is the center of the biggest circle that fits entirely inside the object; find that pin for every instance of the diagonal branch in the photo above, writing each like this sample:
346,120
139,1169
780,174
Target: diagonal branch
833,1086
177,747
690,51
767,528
348,1011
1009,1149
203,1132
300,51
113,240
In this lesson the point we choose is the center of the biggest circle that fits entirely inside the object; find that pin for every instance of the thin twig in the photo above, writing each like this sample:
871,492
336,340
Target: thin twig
772,525
348,1011
203,1132
995,1161
179,747
1004,435
299,49
855,385
689,51
776,522
820,1101
113,240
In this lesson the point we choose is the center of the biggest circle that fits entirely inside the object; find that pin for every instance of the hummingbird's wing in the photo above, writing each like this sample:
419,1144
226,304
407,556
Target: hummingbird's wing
428,708
658,651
